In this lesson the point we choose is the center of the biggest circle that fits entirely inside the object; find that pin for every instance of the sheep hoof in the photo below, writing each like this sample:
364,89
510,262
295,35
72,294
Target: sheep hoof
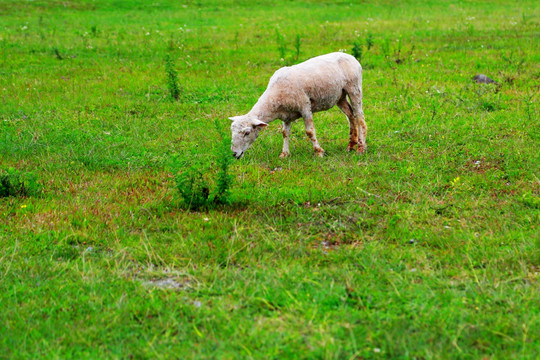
283,155
361,149
351,145
319,152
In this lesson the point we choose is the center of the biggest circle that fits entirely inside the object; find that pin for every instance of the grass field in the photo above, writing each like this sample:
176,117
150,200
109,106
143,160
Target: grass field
425,247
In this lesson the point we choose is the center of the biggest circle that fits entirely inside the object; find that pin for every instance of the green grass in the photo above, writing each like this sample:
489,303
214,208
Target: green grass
426,246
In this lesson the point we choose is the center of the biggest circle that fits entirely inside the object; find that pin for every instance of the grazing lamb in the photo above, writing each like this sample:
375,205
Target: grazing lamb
299,91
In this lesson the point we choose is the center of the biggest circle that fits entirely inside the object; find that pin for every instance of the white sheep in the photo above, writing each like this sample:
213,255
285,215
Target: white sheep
300,90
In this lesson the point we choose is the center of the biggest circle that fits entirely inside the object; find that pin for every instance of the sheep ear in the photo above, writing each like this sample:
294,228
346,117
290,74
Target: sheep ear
234,118
258,124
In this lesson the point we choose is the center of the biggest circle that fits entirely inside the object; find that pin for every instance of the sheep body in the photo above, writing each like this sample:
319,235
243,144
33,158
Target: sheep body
300,90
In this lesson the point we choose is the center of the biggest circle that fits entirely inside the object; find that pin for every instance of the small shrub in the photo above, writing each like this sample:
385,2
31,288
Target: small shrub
400,57
396,54
288,55
172,78
357,50
369,40
297,44
281,47
199,186
19,184
191,183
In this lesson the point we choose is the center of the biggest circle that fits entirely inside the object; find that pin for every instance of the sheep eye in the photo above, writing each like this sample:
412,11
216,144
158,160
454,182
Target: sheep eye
246,133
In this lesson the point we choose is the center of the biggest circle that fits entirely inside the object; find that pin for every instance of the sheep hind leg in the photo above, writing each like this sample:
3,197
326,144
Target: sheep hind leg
355,97
310,132
345,107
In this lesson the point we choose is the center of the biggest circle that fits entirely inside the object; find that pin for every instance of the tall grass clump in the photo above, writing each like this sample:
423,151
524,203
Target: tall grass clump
357,50
369,40
18,184
297,45
172,78
281,47
288,54
198,183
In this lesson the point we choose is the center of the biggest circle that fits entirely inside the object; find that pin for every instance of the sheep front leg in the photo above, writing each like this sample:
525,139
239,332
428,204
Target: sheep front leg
310,132
286,137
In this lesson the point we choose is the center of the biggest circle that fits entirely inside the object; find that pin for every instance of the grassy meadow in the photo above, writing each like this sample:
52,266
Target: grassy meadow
425,247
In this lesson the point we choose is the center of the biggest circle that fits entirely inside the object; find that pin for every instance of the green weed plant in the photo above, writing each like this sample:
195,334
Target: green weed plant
357,50
199,184
281,45
17,183
172,78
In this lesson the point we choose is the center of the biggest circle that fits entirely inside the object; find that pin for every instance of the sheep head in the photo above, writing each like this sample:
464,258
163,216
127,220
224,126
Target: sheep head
245,130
